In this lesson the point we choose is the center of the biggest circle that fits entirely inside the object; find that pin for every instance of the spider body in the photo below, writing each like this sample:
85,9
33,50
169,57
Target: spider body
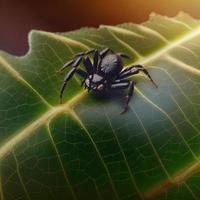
111,65
104,73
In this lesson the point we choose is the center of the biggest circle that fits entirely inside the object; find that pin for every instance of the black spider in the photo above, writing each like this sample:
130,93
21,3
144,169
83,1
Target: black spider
104,73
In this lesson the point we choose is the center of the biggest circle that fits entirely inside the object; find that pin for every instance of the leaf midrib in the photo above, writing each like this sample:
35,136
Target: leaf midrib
50,114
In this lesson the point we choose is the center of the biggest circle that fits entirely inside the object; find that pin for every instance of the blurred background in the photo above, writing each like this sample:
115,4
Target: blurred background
18,17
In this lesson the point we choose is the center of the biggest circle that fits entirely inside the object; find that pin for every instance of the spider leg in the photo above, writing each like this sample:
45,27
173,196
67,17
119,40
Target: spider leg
84,53
66,79
104,52
82,73
69,76
78,57
122,84
77,62
88,65
130,94
74,62
90,51
66,65
79,54
96,60
123,55
135,70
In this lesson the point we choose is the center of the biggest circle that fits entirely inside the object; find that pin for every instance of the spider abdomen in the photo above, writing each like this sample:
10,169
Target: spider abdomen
111,65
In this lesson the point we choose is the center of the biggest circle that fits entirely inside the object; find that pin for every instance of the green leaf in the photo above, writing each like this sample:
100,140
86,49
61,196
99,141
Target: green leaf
84,149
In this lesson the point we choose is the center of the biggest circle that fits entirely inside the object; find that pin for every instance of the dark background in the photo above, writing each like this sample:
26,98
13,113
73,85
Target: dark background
18,17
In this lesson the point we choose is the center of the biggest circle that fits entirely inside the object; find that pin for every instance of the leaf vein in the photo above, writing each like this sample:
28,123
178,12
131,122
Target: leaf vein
127,46
20,177
151,143
124,157
18,77
171,121
60,161
183,65
76,117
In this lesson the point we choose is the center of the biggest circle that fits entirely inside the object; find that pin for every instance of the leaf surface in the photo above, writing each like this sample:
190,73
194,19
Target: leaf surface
84,149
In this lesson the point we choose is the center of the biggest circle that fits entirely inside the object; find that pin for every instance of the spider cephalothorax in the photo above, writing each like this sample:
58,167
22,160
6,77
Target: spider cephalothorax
104,73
